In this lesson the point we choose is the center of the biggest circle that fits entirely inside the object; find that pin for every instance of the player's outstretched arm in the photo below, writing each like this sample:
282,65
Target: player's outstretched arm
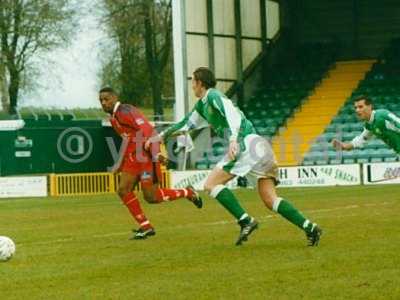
338,145
170,131
357,142
191,121
161,137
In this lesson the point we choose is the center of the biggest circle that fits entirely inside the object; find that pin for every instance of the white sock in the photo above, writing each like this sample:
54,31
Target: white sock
216,190
244,216
275,206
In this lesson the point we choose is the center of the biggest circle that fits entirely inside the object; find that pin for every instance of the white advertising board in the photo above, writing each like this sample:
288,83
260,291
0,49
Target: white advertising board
303,176
382,173
182,179
12,187
329,175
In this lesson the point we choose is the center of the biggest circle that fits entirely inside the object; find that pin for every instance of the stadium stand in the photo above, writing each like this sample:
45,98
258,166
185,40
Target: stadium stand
382,85
317,111
287,85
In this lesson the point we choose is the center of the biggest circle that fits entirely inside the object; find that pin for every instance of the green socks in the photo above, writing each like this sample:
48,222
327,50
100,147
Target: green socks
290,213
281,206
229,201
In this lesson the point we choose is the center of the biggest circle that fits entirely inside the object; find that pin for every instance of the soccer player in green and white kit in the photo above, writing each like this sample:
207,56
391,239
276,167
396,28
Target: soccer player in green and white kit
249,155
380,122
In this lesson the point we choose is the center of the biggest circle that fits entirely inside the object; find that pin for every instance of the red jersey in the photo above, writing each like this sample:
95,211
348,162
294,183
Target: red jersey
130,123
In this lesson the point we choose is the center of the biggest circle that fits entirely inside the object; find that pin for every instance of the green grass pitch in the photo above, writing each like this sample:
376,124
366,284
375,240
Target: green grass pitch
78,248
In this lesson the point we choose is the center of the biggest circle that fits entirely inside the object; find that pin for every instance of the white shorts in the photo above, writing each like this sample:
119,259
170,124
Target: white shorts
256,160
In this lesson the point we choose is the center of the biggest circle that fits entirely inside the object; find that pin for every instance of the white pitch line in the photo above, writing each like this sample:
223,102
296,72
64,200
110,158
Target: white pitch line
225,222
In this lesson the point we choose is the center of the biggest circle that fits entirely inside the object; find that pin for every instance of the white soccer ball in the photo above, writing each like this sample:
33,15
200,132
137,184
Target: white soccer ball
7,248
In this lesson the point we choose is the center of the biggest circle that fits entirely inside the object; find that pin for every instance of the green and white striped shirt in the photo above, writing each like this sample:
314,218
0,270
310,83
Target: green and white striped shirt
214,110
384,125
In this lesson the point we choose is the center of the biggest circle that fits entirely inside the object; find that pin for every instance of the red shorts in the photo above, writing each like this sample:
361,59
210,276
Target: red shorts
145,169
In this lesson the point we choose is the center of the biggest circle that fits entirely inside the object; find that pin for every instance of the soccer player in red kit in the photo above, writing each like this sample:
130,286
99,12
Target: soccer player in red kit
138,165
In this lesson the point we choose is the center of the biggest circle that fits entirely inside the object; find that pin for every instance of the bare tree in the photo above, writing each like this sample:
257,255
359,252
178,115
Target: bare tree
29,28
142,30
158,41
4,99
123,66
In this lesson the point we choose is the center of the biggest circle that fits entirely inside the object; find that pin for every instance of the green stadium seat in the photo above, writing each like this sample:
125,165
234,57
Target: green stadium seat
352,154
322,162
348,136
218,151
328,136
335,161
202,164
323,146
250,114
349,161
270,122
356,127
333,155
257,122
376,143
360,160
391,159
332,128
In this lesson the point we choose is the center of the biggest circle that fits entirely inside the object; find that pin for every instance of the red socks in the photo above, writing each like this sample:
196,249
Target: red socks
161,195
132,202
172,194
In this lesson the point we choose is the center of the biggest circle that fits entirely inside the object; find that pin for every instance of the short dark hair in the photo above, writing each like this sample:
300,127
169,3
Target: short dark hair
205,76
364,98
107,89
